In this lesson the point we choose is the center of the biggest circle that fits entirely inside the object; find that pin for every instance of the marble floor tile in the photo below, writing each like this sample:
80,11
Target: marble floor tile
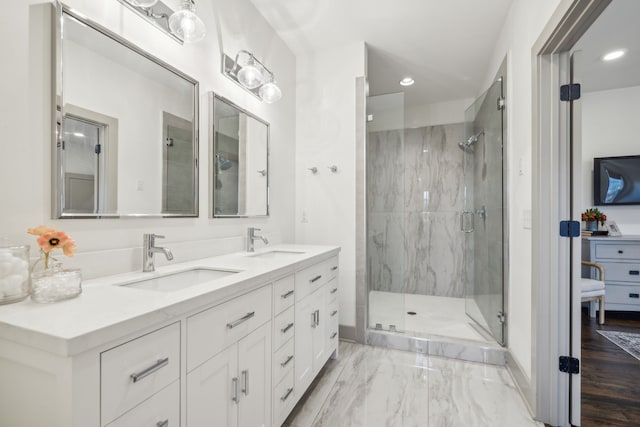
391,388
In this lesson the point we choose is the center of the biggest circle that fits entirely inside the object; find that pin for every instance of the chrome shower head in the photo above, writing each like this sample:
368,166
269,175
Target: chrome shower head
223,164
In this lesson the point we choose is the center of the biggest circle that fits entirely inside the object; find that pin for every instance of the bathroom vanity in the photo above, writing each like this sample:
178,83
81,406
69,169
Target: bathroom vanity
233,340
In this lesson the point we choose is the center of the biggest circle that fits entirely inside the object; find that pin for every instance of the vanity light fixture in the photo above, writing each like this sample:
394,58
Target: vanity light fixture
252,75
615,54
182,24
407,81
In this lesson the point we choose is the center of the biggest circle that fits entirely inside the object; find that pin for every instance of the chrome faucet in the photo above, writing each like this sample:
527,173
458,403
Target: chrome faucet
149,248
252,236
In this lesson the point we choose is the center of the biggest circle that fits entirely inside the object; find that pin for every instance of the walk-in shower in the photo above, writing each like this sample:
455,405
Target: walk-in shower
435,219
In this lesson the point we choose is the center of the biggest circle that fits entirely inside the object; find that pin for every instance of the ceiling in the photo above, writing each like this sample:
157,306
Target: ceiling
616,28
445,45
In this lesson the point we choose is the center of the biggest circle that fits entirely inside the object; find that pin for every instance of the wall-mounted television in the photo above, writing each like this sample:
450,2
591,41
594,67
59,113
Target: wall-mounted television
616,180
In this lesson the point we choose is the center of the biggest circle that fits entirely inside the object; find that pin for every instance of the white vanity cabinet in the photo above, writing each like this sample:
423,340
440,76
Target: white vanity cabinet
232,387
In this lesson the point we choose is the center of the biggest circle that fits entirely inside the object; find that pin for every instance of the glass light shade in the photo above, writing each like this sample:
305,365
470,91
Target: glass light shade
270,92
186,24
145,4
250,76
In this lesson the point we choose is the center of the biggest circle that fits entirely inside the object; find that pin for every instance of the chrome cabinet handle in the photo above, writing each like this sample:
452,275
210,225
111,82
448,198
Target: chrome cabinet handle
334,268
634,272
286,328
234,390
287,295
287,394
241,320
317,317
164,423
161,363
245,382
315,279
286,362
313,319
334,290
334,335
334,312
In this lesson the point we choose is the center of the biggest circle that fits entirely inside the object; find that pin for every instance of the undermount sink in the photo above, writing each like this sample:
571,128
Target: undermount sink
276,254
180,280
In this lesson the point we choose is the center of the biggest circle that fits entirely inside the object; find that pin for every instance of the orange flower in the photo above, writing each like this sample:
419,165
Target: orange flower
57,239
40,230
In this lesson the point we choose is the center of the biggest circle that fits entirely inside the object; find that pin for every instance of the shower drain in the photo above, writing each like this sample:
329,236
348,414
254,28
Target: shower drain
411,313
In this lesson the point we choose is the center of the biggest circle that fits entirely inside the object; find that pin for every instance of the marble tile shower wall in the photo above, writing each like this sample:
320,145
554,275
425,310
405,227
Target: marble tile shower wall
415,193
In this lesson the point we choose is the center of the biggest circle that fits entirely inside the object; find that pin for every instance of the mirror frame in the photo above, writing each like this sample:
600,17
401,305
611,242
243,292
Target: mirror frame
212,151
57,190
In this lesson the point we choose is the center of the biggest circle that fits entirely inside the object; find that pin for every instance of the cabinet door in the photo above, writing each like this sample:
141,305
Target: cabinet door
254,370
211,389
305,326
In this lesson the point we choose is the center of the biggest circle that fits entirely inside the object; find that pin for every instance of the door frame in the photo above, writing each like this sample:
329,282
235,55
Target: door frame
552,263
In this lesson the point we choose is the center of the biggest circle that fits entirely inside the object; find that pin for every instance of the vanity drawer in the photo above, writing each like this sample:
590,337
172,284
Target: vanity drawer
283,294
162,409
622,294
283,327
332,290
332,267
136,370
617,251
310,279
212,330
621,272
283,361
284,398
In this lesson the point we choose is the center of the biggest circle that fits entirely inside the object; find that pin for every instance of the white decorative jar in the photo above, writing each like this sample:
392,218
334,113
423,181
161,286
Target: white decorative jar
14,273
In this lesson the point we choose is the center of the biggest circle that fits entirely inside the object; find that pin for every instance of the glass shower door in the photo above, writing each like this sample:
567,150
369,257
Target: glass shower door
482,220
385,212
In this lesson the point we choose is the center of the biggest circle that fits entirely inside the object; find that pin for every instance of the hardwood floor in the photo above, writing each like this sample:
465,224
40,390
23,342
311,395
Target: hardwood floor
610,375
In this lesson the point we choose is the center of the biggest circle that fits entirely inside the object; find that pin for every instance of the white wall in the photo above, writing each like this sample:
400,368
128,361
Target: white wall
25,84
325,136
524,24
610,127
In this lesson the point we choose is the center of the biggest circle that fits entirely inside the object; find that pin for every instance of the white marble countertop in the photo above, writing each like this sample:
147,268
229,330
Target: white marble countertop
612,238
104,312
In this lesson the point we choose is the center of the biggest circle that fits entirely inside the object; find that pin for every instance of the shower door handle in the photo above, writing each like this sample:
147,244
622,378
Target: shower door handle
464,215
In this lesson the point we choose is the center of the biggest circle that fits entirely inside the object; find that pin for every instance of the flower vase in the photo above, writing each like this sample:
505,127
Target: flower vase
592,225
51,282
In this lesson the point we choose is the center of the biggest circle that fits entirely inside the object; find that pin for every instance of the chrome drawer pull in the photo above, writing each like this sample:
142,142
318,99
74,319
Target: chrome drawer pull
334,290
334,312
334,335
241,320
317,317
245,382
164,423
286,328
313,320
634,272
287,295
161,363
286,362
634,295
315,279
234,390
287,394
334,268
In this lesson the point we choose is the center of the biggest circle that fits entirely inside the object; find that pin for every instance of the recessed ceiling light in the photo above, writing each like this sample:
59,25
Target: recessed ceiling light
614,55
407,81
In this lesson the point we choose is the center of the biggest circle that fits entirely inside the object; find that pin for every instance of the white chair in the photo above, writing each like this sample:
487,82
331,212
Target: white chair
594,290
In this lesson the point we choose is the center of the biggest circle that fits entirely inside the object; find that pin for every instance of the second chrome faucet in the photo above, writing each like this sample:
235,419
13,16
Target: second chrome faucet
252,237
149,248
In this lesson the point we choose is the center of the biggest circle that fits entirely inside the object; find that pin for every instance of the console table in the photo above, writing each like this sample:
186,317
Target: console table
620,257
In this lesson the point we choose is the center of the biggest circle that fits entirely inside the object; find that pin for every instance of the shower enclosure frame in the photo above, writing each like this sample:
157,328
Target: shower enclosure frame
362,333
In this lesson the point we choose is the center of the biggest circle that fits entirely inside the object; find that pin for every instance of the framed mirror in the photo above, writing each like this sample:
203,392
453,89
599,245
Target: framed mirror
239,161
126,137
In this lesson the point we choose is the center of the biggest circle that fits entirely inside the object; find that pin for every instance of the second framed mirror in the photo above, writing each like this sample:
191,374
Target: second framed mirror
238,161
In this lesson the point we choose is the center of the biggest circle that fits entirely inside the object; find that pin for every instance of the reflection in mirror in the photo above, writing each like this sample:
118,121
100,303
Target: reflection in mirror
239,161
126,142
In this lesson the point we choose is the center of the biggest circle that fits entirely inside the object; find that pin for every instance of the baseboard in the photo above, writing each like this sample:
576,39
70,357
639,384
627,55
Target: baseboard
347,333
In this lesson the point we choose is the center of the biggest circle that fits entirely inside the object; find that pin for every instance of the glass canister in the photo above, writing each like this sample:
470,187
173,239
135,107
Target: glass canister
14,272
55,284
